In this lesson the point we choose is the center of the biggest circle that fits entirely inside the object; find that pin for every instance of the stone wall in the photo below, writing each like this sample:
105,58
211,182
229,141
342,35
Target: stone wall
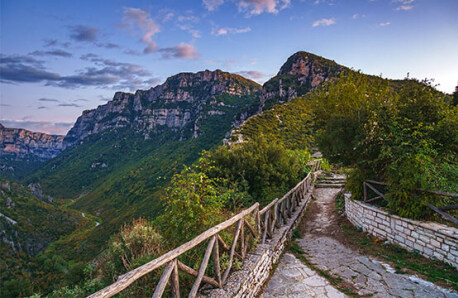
430,239
258,264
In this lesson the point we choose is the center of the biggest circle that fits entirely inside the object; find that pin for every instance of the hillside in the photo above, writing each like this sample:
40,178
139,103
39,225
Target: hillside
22,151
119,155
27,226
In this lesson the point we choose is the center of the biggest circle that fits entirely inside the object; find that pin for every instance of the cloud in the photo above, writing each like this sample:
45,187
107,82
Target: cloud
105,73
59,53
84,33
108,45
404,1
73,105
50,42
251,7
404,7
187,23
48,100
384,24
324,22
42,107
227,30
183,50
24,69
256,7
404,4
212,5
134,18
358,16
59,128
252,74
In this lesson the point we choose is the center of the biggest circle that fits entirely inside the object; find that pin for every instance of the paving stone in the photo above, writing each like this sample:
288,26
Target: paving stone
368,276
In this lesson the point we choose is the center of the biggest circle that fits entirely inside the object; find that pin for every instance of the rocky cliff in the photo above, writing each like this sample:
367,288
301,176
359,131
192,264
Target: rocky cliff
21,143
301,73
172,105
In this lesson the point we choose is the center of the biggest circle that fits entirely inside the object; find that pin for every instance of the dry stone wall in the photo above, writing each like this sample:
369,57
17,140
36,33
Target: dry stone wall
258,264
431,240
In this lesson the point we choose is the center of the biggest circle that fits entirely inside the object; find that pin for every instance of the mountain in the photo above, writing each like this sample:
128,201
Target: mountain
301,73
119,155
22,151
170,106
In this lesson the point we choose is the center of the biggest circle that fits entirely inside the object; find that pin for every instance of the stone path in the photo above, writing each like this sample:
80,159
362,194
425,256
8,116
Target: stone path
294,279
365,275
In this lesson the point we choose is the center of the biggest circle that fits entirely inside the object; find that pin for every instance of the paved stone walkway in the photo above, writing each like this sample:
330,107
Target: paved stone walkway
294,279
367,276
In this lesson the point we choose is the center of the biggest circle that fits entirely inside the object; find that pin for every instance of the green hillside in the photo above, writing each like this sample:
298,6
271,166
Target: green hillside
27,226
290,124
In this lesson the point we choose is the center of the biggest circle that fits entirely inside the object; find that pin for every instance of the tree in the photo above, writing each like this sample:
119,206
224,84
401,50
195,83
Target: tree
403,133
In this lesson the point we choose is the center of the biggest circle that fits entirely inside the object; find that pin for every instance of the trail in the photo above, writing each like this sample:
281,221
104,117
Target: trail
364,275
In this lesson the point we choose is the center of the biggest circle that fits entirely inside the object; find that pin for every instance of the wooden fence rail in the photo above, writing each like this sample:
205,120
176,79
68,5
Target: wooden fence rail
370,184
275,214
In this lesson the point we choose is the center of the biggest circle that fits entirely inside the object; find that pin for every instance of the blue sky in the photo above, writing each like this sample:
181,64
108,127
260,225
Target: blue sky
59,57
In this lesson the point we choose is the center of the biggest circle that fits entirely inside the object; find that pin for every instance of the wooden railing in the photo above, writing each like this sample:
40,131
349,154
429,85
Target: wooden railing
371,184
272,216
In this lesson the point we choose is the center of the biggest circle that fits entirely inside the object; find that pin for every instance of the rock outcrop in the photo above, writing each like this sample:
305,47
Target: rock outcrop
301,73
21,143
172,105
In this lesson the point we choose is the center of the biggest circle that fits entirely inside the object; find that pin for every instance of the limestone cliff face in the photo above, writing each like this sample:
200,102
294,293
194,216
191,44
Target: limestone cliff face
172,105
21,143
301,73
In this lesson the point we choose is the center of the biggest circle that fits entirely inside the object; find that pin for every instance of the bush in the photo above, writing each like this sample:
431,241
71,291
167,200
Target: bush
193,203
404,134
263,169
135,244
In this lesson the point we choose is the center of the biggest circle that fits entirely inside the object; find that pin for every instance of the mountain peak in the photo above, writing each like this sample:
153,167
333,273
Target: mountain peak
300,73
299,63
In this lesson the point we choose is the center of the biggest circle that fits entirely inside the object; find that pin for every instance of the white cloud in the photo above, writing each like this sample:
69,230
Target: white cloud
252,74
404,7
256,7
358,16
228,30
404,4
137,18
324,22
385,24
251,7
212,5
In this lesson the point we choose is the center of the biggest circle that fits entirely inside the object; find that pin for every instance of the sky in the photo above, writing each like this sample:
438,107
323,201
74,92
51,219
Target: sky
59,58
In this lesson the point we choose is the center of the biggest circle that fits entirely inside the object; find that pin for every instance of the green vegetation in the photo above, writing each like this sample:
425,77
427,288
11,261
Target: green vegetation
196,199
290,124
28,225
12,168
402,133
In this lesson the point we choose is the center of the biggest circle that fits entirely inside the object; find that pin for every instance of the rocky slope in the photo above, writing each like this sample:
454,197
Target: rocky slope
172,105
21,142
22,151
301,73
